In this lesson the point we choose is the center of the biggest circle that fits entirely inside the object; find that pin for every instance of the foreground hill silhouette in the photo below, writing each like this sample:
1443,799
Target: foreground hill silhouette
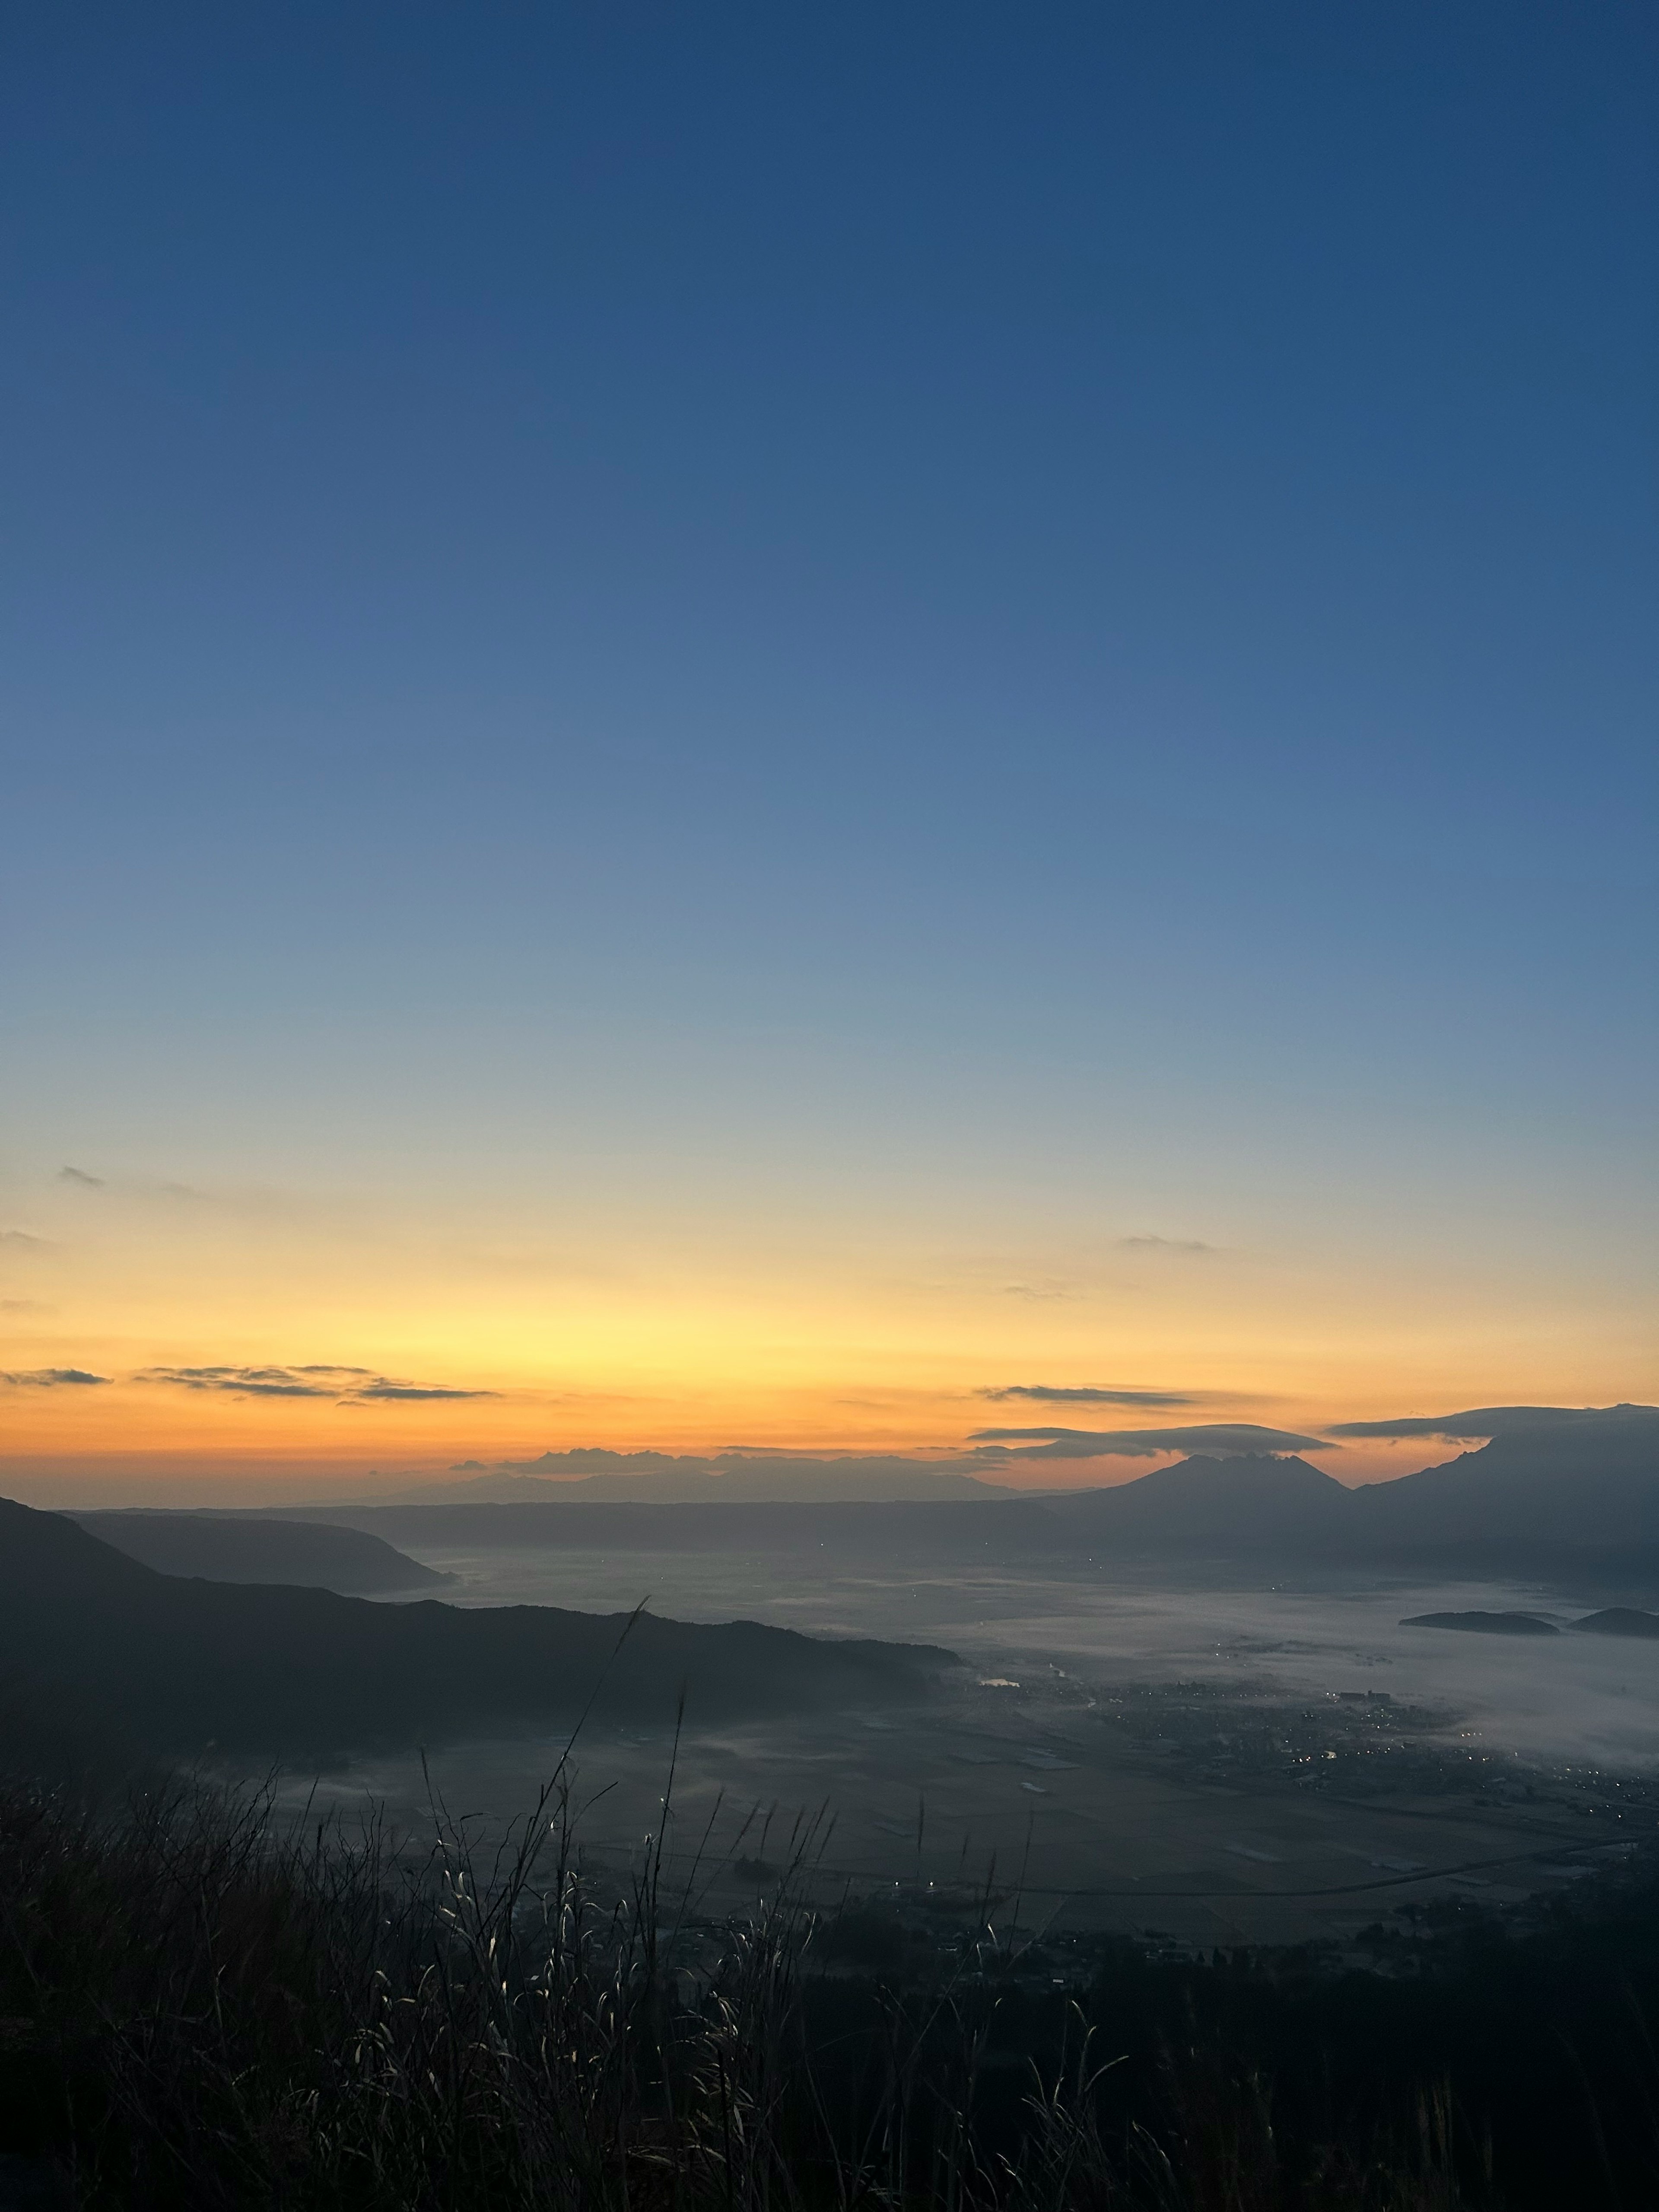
168,1665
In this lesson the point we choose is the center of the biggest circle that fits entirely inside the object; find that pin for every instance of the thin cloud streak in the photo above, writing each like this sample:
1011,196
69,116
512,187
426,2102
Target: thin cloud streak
345,1386
1048,1394
52,1378
381,1390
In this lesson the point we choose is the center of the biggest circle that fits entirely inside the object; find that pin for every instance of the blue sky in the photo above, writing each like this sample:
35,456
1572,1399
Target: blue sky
842,613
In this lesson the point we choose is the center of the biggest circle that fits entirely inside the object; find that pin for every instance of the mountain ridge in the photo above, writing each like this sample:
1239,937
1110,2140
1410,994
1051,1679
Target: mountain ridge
263,1548
177,1665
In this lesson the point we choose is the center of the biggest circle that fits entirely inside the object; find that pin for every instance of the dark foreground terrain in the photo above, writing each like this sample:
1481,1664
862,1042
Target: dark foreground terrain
104,1657
198,2010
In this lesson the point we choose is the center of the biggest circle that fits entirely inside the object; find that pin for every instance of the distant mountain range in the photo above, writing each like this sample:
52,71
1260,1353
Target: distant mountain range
942,1530
596,1477
1579,1490
1574,1485
98,1647
1613,1620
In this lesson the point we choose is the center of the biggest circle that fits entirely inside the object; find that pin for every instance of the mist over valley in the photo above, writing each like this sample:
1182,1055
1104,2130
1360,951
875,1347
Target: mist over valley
1214,1698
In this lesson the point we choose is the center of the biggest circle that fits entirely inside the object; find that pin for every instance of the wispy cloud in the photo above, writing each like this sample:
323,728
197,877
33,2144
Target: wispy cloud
52,1378
346,1386
1037,1290
1051,1394
311,1382
382,1387
19,1240
1188,1245
25,1306
1147,1443
145,1189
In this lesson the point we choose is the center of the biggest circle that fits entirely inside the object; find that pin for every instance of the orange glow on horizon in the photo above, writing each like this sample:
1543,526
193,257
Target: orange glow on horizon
699,1334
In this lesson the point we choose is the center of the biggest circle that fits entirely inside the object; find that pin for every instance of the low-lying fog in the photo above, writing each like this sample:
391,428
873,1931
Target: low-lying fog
1224,1761
1594,1699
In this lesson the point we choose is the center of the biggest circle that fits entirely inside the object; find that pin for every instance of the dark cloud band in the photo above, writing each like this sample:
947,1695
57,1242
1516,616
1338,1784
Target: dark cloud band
380,1390
1145,1444
345,1386
52,1378
1478,1424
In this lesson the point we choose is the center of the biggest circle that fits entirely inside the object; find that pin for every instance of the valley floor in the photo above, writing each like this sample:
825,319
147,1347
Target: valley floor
1207,1766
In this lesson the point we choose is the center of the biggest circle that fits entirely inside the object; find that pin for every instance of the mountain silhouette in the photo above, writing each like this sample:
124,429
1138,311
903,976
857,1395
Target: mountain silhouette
169,1665
1483,1623
1587,1478
246,1548
1618,1620
1582,1489
1244,1503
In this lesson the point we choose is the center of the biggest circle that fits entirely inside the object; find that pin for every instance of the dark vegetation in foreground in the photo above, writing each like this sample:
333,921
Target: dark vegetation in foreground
201,2009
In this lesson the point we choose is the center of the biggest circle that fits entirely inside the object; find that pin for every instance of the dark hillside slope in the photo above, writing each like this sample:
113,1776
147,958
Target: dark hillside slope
244,1548
172,1666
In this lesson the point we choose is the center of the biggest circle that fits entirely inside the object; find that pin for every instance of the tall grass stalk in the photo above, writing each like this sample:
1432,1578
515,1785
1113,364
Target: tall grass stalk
209,2006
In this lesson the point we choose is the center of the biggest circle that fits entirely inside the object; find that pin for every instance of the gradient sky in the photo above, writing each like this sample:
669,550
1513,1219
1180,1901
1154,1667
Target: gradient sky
737,720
